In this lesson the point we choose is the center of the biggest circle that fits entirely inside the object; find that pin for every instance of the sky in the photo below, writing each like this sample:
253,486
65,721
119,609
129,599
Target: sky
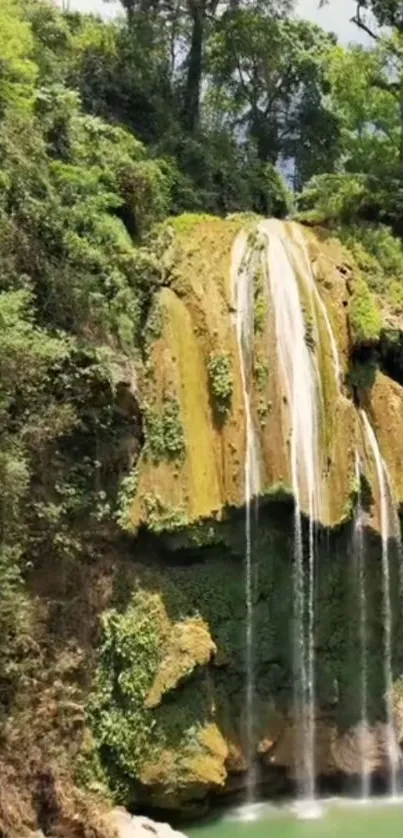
335,16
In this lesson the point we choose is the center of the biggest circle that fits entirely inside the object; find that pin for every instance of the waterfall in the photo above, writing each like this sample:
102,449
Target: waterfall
302,387
299,238
242,293
386,524
294,297
359,553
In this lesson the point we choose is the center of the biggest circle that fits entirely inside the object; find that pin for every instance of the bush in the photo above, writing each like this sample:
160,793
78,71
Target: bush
221,382
364,315
333,197
164,432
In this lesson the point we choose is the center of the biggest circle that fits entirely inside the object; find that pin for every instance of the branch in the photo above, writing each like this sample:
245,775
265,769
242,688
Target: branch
389,86
357,19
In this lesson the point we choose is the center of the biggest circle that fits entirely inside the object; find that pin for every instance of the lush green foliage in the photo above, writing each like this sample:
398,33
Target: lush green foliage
364,314
75,193
164,432
134,740
221,382
379,255
366,89
106,130
269,75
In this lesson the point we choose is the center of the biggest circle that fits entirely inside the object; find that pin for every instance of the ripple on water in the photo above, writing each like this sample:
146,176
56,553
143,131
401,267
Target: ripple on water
308,810
334,817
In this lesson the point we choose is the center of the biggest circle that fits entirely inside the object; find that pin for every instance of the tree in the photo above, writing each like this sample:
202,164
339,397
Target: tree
77,195
268,79
386,12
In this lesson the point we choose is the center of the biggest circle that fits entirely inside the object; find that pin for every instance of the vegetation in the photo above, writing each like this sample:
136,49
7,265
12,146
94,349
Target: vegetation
115,136
379,255
164,432
364,314
221,382
143,654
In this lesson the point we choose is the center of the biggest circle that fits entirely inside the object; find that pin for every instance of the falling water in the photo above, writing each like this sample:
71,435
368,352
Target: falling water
242,291
299,238
360,556
386,523
301,382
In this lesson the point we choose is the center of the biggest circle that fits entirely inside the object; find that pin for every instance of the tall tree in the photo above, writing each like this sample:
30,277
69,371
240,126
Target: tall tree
269,74
369,15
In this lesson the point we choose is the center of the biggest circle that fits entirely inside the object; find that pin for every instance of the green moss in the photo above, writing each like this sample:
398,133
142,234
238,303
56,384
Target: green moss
367,497
396,294
279,492
89,773
163,431
259,301
309,336
203,534
155,323
364,315
162,518
185,222
163,745
189,645
260,372
263,410
140,656
127,493
221,382
379,256
362,375
129,655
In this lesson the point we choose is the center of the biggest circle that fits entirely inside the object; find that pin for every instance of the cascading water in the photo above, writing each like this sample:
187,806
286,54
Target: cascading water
242,292
359,553
299,238
294,298
386,524
301,381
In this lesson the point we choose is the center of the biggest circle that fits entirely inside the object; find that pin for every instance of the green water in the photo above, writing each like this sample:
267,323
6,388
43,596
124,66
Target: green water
341,819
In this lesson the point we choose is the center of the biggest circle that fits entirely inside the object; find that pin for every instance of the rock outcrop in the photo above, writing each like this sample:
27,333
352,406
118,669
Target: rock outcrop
168,705
164,687
191,469
137,826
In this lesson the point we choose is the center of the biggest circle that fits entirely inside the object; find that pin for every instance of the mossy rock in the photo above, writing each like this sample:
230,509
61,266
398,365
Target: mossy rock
364,314
189,645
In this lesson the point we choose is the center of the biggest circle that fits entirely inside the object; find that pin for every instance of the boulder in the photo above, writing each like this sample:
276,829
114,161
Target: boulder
138,826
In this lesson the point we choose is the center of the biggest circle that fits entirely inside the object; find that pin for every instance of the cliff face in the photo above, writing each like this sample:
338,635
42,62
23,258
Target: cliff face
192,465
168,703
156,677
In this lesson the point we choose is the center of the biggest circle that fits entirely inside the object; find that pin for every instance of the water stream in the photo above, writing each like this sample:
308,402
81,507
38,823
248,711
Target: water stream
359,552
292,289
243,296
386,525
299,238
301,382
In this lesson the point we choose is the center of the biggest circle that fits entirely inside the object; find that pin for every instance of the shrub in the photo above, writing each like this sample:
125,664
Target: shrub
221,382
365,317
164,432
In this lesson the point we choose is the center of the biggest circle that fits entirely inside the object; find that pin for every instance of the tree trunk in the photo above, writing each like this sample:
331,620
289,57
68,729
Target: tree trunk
401,128
197,9
129,6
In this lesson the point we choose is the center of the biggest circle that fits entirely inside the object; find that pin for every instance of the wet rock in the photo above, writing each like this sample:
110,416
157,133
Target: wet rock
188,646
138,826
336,752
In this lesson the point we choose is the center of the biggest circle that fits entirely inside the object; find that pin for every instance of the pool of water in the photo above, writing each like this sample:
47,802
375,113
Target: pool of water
341,818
